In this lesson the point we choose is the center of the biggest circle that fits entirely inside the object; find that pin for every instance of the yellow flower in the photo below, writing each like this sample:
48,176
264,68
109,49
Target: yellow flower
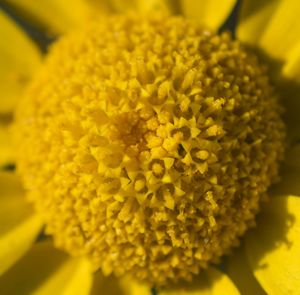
146,143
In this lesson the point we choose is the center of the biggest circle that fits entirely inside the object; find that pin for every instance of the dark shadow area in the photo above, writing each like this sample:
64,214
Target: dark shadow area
230,23
177,6
42,236
9,167
35,32
273,223
289,183
237,267
202,282
30,271
6,118
106,285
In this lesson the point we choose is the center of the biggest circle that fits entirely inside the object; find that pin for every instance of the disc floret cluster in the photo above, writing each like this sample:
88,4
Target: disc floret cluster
147,144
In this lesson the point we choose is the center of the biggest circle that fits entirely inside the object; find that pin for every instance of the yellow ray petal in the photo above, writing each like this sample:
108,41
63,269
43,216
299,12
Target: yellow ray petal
6,150
18,225
121,5
253,18
113,286
19,58
47,271
270,24
209,282
240,273
210,13
273,249
291,69
282,31
164,6
55,15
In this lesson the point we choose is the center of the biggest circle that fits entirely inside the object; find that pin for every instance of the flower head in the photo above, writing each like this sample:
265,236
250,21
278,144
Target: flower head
147,144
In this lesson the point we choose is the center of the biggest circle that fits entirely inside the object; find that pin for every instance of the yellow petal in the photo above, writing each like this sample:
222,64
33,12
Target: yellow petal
273,249
291,69
209,282
210,13
145,6
121,5
19,226
164,6
282,32
253,18
55,15
47,271
113,286
240,273
19,58
6,150
270,24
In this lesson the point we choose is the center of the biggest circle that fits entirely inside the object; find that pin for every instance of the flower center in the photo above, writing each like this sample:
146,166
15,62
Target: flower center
147,144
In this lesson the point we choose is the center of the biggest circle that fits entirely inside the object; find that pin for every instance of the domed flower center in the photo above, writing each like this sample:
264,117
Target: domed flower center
147,144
